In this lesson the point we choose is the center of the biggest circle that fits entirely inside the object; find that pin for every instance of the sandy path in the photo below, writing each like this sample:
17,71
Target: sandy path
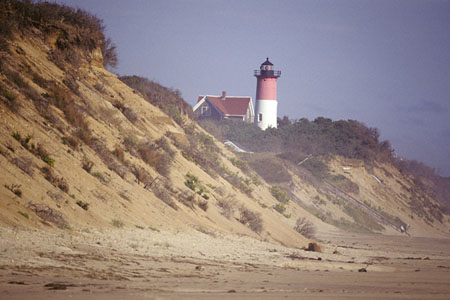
144,264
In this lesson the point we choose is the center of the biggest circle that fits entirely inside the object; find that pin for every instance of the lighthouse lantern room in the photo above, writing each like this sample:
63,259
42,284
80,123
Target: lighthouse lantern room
266,95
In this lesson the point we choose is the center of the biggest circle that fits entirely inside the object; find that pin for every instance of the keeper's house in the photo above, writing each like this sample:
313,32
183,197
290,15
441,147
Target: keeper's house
225,107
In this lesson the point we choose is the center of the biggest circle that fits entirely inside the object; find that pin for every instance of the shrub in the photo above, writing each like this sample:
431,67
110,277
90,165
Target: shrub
130,145
39,80
71,141
117,223
141,175
59,182
24,164
280,207
241,164
191,181
44,155
166,99
188,199
23,141
203,205
164,196
10,100
83,205
109,53
119,154
250,218
305,227
279,193
101,177
48,214
23,214
87,164
227,206
130,115
15,188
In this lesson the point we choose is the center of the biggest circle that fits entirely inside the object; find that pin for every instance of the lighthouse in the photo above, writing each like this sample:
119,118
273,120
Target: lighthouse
266,96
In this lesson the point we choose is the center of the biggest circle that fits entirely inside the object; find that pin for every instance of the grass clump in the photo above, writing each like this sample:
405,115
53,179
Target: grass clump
87,164
59,182
24,214
38,150
9,99
14,188
117,223
83,205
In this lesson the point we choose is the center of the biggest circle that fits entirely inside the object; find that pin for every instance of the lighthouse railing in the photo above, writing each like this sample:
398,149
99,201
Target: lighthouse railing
267,73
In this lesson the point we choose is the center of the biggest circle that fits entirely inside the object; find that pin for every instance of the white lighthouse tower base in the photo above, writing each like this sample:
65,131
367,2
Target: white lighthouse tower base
266,114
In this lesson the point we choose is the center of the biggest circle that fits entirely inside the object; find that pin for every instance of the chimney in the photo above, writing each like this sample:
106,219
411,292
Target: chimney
224,95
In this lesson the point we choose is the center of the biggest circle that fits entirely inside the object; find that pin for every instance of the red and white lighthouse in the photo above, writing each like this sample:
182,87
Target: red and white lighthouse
266,96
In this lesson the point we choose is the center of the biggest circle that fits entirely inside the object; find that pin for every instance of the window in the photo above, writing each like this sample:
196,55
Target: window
260,117
205,110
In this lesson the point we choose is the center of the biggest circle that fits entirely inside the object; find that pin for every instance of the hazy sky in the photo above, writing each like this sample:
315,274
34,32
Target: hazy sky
385,63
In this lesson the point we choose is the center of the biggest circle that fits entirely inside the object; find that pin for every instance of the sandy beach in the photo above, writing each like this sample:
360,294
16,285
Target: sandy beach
146,264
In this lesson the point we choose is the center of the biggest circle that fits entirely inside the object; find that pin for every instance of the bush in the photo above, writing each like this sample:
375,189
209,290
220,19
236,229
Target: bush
142,175
25,164
227,206
48,214
203,205
188,198
279,194
191,181
166,99
23,214
59,182
117,223
71,141
252,219
10,100
164,196
280,207
83,205
119,154
15,188
44,155
305,228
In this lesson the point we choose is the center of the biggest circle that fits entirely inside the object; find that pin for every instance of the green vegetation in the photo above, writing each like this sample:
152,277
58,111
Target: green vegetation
117,223
322,136
280,207
193,183
279,193
23,214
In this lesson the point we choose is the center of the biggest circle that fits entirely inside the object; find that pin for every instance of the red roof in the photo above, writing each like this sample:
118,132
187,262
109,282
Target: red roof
230,105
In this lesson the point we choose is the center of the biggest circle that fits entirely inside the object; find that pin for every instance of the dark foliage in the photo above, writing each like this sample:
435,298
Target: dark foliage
168,100
76,28
322,136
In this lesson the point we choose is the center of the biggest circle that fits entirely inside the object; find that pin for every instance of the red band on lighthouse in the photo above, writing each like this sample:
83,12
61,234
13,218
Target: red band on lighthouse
266,96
